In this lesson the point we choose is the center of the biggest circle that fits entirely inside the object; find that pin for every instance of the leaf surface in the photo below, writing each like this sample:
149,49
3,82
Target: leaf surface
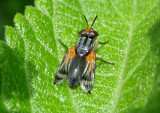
30,58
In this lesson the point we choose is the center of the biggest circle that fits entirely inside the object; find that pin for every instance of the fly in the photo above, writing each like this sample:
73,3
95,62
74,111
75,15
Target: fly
79,63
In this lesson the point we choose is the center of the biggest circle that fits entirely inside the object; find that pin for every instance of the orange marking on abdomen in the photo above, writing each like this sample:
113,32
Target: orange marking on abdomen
91,57
72,52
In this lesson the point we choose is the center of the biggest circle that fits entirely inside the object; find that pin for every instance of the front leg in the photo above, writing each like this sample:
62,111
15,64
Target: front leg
63,44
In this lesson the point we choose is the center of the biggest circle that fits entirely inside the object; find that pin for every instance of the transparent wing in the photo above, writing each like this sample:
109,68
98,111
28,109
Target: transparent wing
62,71
87,80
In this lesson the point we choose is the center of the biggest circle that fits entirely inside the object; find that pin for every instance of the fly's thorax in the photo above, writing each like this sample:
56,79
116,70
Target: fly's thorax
84,45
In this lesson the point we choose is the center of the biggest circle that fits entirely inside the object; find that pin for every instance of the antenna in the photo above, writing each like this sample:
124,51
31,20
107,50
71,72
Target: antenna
94,20
86,19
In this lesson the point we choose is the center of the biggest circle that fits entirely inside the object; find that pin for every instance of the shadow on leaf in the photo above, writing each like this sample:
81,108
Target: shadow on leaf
15,89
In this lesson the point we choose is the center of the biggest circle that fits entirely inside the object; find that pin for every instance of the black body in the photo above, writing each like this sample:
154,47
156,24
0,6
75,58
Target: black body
76,66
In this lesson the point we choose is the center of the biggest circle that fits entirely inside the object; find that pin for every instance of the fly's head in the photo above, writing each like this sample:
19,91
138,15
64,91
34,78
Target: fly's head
86,40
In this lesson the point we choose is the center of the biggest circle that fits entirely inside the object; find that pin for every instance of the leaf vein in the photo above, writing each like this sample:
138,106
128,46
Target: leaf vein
120,81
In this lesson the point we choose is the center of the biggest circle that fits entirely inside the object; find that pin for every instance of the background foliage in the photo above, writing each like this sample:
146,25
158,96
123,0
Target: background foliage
8,8
29,59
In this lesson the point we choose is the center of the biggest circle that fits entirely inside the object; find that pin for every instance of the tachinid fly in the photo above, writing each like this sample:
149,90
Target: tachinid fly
79,63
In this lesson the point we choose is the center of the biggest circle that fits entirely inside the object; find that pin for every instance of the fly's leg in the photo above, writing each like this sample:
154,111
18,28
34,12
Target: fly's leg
104,42
111,63
100,58
63,44
89,92
95,46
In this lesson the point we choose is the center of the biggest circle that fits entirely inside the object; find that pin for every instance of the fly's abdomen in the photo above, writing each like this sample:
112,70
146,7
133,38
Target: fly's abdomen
76,70
73,78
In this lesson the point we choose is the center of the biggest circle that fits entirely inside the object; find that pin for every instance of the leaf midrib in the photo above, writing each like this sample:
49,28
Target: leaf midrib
120,78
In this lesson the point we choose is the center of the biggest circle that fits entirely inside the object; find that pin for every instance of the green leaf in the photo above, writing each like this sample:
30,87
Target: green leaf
30,58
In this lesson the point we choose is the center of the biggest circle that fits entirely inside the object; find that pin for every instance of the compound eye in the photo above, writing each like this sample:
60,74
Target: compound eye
93,34
82,32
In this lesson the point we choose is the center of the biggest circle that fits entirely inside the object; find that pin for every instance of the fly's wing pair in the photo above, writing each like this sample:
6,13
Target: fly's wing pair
77,69
62,71
87,80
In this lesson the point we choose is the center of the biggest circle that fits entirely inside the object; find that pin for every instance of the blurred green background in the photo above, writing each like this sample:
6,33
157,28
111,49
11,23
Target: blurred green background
8,8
